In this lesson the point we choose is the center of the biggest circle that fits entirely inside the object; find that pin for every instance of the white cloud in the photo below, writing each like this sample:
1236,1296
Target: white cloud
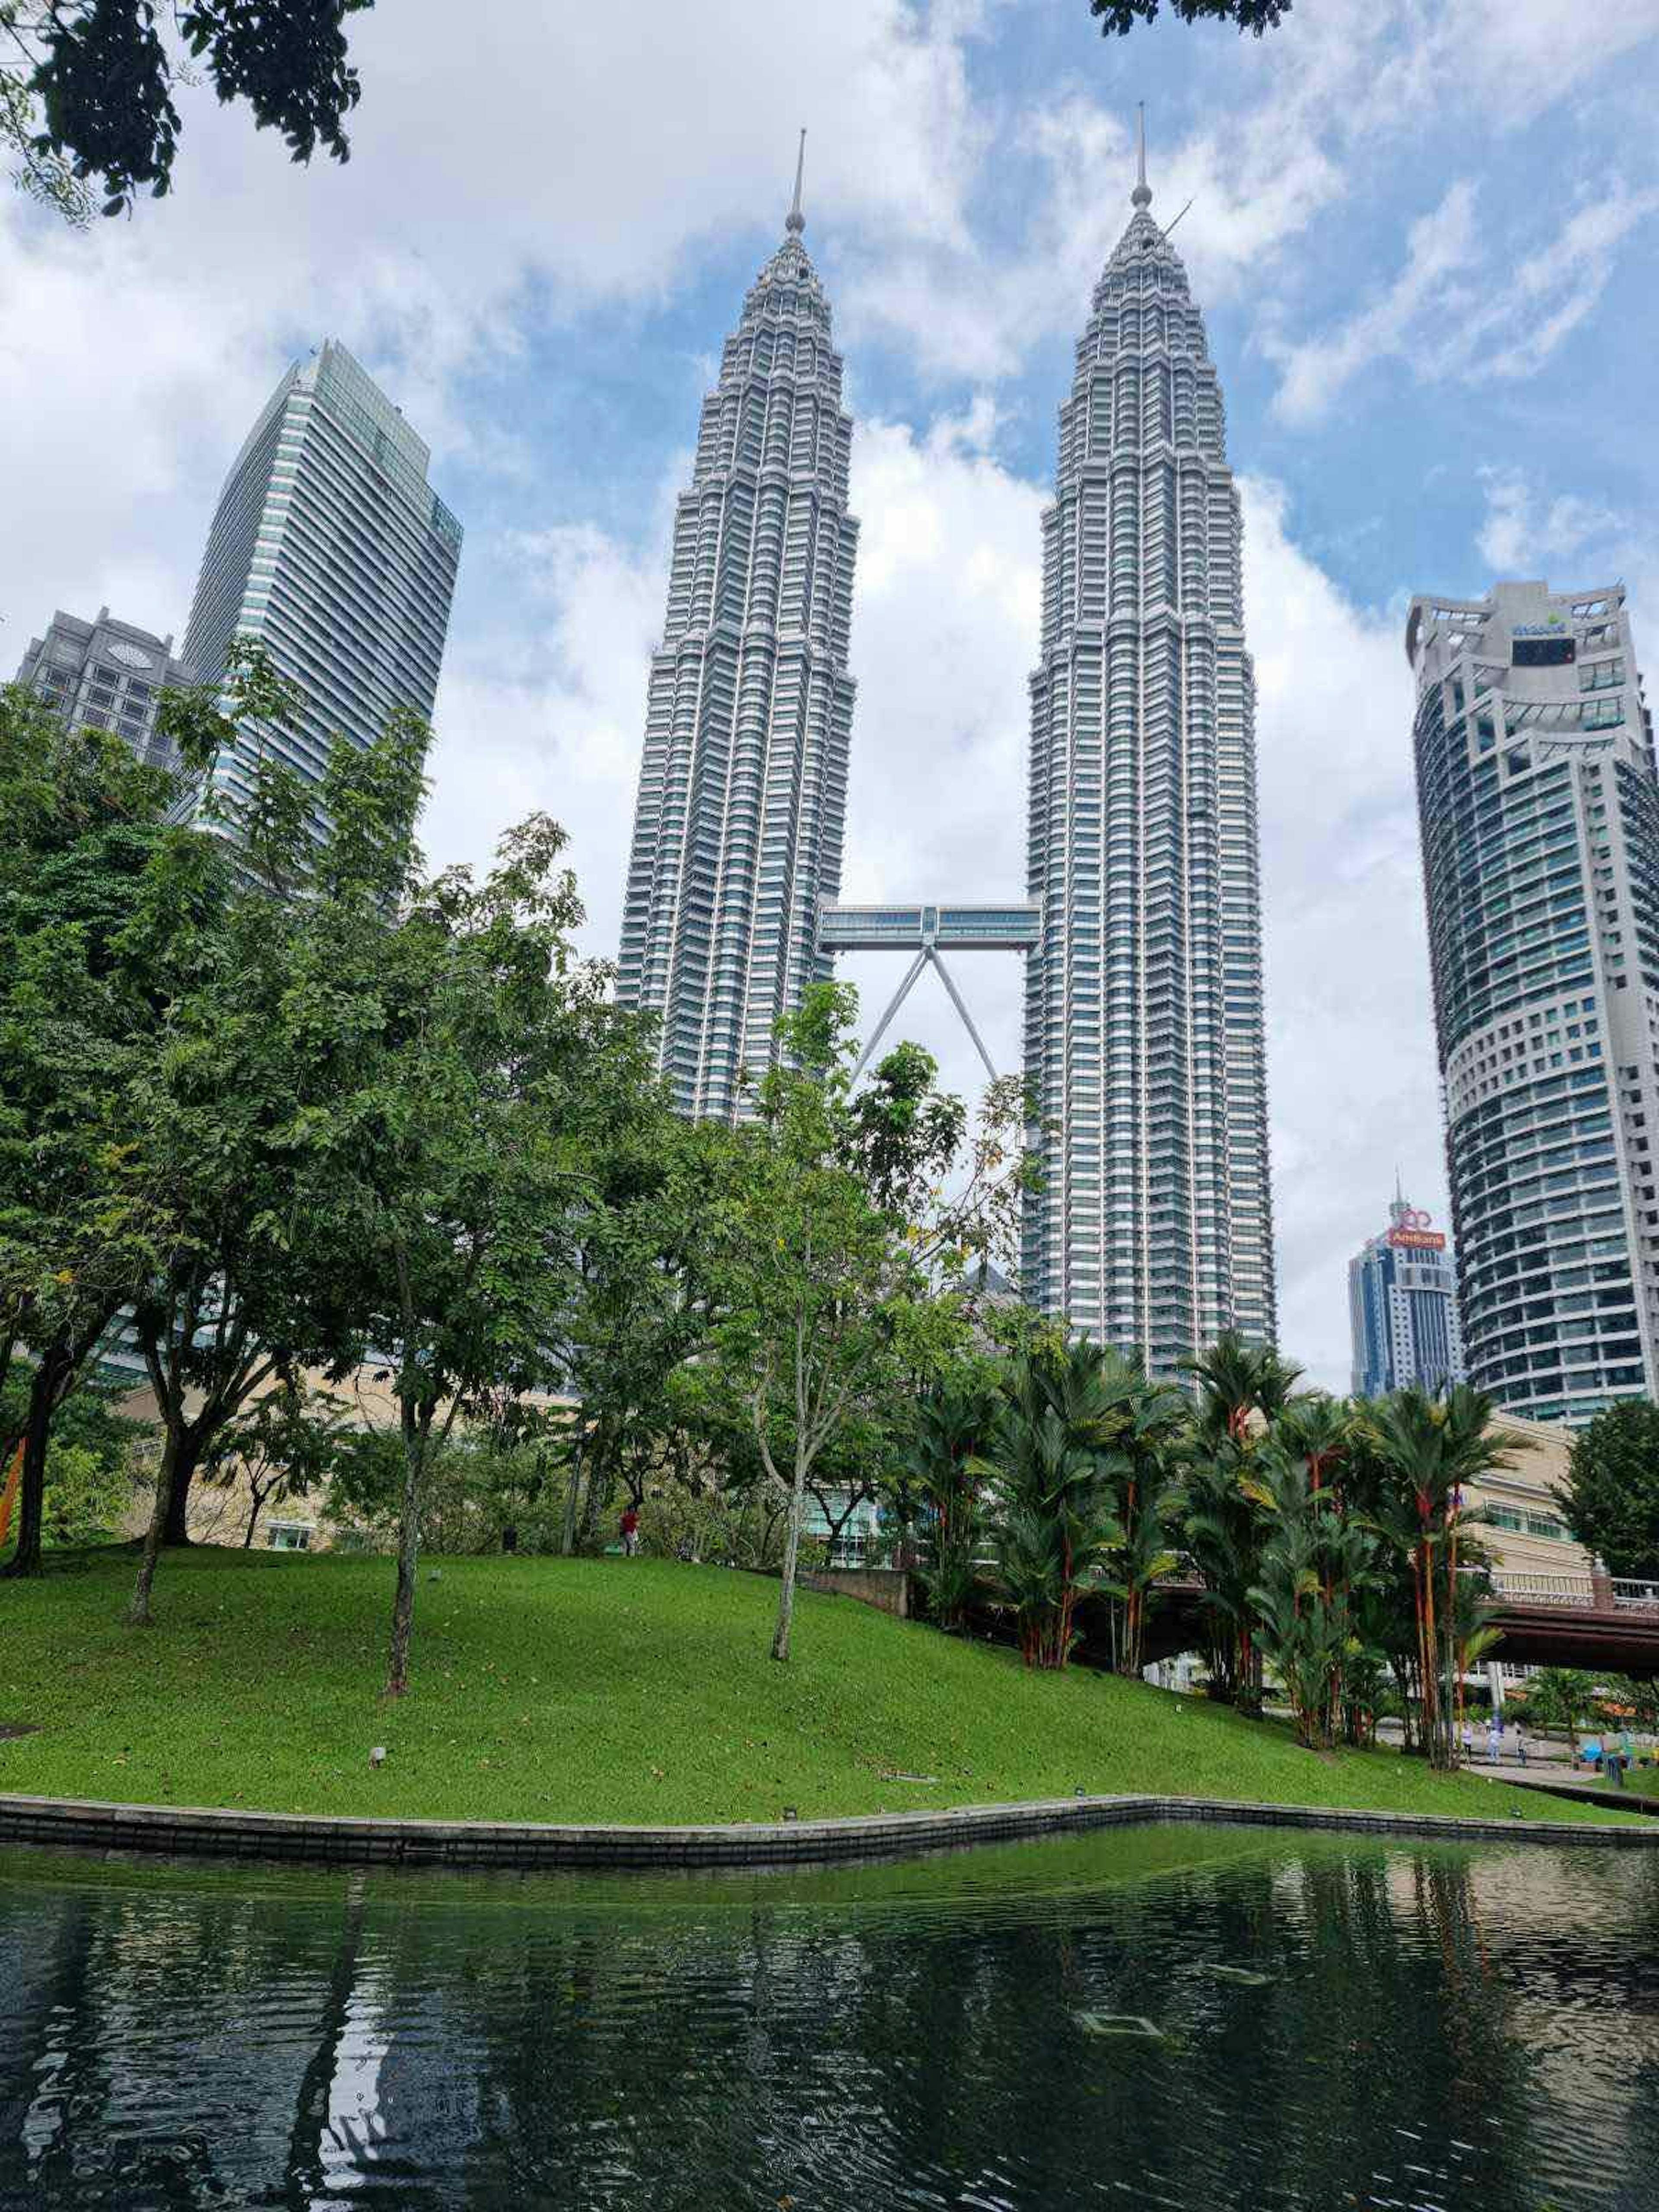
1520,56
1305,117
547,712
1352,1073
1439,246
1521,530
510,167
1468,304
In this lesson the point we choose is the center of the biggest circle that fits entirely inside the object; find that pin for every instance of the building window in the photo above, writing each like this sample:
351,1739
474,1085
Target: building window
289,1536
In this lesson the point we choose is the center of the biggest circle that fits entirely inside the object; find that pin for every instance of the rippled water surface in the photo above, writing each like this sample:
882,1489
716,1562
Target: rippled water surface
1200,2018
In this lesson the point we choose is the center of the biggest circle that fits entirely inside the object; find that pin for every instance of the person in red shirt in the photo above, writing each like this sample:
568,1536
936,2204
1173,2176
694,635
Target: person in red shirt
631,1529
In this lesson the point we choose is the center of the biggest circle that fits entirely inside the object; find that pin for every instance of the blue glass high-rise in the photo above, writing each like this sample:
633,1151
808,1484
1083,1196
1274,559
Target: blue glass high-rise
329,548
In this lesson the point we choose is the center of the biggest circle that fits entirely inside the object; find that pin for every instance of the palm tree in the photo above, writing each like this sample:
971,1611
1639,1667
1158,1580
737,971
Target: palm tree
1314,1558
1064,1417
1222,1526
952,1424
1151,1419
1430,1449
1236,1380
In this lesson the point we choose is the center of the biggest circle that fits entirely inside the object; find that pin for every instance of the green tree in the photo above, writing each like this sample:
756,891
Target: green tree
285,1445
1563,1698
92,1459
1080,1469
952,1426
1428,1450
1316,1561
1150,1424
1242,1389
87,1496
254,1287
1119,16
460,1134
86,86
1611,1498
644,1302
107,916
823,1308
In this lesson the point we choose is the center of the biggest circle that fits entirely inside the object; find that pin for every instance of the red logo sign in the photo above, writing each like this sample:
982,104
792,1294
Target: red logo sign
1416,1240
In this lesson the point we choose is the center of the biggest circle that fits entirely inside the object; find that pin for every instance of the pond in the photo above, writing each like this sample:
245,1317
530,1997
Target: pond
1203,2018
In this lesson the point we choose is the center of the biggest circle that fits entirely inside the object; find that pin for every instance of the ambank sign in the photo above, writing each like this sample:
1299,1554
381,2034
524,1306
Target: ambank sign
1412,1233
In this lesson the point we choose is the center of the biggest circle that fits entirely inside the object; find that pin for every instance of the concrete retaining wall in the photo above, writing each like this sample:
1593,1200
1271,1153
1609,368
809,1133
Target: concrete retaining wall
887,1589
176,1829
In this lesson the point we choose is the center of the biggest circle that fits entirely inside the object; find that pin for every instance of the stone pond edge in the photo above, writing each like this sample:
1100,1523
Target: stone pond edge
341,1840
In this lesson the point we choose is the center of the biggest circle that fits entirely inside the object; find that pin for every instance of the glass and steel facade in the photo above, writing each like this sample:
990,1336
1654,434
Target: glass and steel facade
742,783
1540,816
107,675
1402,1301
329,548
1144,1006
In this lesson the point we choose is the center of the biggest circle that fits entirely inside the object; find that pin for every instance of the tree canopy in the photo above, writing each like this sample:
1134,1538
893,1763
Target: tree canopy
87,93
1611,1498
1119,17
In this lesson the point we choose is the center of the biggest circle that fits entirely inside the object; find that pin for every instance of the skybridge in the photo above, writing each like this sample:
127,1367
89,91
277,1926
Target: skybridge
926,931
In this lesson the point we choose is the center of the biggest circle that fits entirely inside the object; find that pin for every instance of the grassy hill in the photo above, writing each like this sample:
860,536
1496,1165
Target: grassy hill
597,1690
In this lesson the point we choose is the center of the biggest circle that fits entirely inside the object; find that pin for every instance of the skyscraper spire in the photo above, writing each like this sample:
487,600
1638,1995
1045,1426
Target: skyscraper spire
749,715
1141,197
795,221
1144,1033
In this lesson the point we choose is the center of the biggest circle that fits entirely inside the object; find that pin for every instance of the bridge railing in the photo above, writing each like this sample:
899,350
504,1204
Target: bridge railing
1586,1593
1545,1590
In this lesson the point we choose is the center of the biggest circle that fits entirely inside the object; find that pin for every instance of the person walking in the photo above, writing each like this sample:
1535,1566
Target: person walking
1521,1741
1495,1738
631,1529
1469,1740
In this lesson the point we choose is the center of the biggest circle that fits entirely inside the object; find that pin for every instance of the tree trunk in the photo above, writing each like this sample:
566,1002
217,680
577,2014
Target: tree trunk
47,1394
572,1493
138,1613
247,1533
184,1474
415,1435
791,1550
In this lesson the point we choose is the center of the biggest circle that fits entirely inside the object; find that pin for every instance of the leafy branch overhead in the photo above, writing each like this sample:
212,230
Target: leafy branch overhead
88,92
1119,16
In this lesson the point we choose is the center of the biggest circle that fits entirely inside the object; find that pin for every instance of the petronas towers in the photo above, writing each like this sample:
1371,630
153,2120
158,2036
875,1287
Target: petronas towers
1142,1006
1144,1038
749,715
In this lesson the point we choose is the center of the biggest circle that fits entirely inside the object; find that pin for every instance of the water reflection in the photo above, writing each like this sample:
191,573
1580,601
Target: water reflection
1421,2027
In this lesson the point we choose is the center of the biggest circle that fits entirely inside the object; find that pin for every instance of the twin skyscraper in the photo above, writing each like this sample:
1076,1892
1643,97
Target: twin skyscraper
1144,1039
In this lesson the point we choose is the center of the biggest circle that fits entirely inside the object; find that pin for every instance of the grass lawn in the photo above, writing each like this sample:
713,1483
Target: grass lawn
598,1690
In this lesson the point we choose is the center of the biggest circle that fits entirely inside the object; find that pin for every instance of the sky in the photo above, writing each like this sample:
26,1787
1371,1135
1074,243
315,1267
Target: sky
1424,234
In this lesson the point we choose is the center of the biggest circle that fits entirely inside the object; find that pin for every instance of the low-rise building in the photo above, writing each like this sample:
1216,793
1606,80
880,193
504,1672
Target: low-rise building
1524,1529
107,675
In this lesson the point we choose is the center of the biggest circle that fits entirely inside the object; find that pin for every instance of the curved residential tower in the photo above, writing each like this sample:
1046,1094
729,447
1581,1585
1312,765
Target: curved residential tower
742,785
1539,804
1143,1012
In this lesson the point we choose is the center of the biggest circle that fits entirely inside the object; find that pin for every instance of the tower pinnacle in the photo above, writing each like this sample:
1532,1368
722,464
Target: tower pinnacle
1140,196
795,221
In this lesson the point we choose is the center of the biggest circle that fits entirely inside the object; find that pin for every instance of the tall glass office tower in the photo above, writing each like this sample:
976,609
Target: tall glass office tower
1402,1302
1144,1005
749,715
1539,806
329,548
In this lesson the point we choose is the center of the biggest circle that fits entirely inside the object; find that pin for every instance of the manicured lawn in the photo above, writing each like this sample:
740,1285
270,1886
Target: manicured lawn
597,1690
